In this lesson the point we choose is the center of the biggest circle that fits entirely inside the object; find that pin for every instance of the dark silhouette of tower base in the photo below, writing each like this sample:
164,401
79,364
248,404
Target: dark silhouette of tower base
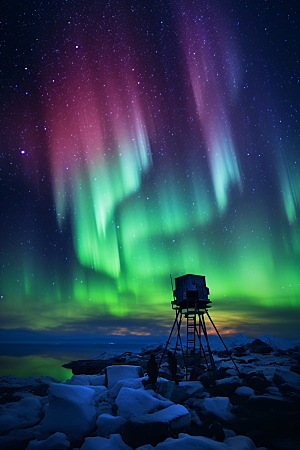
191,302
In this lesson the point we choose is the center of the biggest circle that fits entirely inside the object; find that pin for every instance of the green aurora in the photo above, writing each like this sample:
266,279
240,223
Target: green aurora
131,161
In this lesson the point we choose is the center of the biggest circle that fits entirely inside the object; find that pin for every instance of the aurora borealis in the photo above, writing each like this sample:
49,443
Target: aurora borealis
141,140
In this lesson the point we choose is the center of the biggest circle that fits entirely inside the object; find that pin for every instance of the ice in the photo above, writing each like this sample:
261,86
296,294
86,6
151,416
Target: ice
25,413
219,406
114,442
121,372
87,380
108,424
134,402
71,410
56,441
244,391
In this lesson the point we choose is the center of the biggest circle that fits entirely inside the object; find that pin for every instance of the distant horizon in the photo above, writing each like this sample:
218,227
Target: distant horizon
18,336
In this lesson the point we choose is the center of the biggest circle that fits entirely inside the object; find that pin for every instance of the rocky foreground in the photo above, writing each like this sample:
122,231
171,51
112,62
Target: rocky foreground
106,404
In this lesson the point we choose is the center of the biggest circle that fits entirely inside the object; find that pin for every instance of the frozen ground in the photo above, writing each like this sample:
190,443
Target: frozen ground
255,408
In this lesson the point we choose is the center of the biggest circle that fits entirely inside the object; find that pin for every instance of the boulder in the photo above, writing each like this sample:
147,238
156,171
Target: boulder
108,424
258,346
114,442
229,385
71,410
25,413
121,372
240,443
165,387
133,383
244,391
154,428
135,402
286,376
185,390
218,406
287,388
87,380
56,441
186,441
259,384
267,402
273,390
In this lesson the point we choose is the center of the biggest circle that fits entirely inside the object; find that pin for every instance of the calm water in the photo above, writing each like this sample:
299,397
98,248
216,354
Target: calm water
24,359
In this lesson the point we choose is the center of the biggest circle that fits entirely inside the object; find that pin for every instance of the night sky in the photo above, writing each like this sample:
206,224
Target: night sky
143,139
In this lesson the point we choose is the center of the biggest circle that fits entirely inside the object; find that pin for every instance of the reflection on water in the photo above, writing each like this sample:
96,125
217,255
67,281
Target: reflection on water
23,359
33,365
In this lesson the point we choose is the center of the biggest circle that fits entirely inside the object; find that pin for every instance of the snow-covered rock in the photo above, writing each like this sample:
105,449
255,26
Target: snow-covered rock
103,356
273,390
108,424
286,376
232,372
267,402
277,342
240,443
187,442
25,413
87,380
219,407
153,428
178,393
185,390
56,441
133,383
134,402
244,391
11,381
71,410
237,341
121,372
114,442
19,438
229,384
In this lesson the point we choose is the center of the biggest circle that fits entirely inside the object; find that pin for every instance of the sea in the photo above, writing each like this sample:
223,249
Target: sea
25,359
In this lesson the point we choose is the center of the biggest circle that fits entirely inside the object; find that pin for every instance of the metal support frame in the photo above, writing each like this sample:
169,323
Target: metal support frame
194,328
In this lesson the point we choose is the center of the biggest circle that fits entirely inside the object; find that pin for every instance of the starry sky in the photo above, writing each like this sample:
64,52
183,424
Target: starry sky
143,139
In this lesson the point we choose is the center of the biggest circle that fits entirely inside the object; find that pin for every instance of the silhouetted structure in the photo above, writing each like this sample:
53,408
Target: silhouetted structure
190,301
